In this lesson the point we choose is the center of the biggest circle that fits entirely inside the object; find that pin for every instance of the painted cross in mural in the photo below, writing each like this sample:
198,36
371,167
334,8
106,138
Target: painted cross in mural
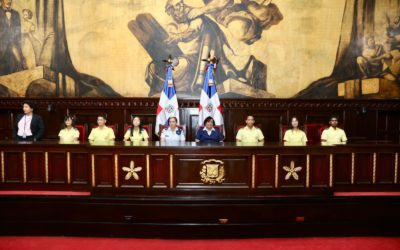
196,32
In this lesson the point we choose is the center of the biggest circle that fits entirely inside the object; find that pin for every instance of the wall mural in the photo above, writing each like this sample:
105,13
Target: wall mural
267,48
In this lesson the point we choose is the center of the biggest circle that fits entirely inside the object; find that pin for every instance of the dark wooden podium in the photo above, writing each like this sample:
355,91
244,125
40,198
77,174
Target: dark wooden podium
190,189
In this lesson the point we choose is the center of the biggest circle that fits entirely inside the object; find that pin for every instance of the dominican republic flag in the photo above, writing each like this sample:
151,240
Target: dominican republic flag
168,104
209,100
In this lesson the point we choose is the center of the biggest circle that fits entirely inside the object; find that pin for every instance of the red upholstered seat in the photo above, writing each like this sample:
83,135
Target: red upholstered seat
82,132
282,131
314,131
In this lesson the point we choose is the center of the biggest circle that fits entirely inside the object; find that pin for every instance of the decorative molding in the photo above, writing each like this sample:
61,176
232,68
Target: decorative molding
116,170
93,172
276,170
331,170
308,171
24,166
253,171
148,171
352,168
68,167
374,169
212,171
171,171
396,165
46,166
2,167
245,103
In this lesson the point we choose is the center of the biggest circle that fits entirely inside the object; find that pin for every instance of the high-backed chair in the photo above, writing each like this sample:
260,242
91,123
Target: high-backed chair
83,129
314,131
282,131
147,127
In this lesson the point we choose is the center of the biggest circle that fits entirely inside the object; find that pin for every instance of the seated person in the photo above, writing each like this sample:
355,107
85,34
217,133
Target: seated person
249,133
29,126
102,133
208,133
333,134
371,61
136,132
69,133
172,133
294,135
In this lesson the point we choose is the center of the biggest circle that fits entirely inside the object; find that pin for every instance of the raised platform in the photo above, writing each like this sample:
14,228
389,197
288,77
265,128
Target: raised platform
197,190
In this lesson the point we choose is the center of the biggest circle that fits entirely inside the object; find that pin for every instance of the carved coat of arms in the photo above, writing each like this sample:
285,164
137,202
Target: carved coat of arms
212,171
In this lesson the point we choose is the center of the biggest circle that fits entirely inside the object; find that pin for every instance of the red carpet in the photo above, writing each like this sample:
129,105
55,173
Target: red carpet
61,243
366,194
37,192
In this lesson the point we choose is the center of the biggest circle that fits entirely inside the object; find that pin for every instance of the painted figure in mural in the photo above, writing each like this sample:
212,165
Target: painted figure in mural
11,59
393,32
370,62
245,20
31,44
193,35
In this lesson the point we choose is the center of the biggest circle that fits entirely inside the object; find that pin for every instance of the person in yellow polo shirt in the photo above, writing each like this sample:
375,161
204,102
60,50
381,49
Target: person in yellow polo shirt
334,134
295,135
102,133
250,133
136,132
69,133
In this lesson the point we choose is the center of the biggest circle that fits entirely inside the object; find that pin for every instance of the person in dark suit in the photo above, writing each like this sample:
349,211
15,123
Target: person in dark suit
29,126
11,58
208,133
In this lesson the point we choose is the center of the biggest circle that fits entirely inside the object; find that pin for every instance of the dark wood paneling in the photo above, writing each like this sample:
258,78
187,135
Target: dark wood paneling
237,171
13,167
286,160
35,167
319,170
80,168
361,119
135,160
265,171
363,169
104,170
385,168
342,168
57,164
160,171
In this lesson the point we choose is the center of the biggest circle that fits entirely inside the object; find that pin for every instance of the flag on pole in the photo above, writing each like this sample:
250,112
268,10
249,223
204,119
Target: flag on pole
168,104
209,100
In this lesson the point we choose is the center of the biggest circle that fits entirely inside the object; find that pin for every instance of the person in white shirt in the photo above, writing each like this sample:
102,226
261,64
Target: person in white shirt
334,134
29,126
172,133
69,133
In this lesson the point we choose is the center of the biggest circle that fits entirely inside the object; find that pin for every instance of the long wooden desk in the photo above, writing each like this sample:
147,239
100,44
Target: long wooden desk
196,190
125,167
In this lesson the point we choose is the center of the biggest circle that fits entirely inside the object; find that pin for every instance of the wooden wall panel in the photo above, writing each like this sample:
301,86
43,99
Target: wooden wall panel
361,119
80,168
35,167
13,167
134,161
57,168
265,171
